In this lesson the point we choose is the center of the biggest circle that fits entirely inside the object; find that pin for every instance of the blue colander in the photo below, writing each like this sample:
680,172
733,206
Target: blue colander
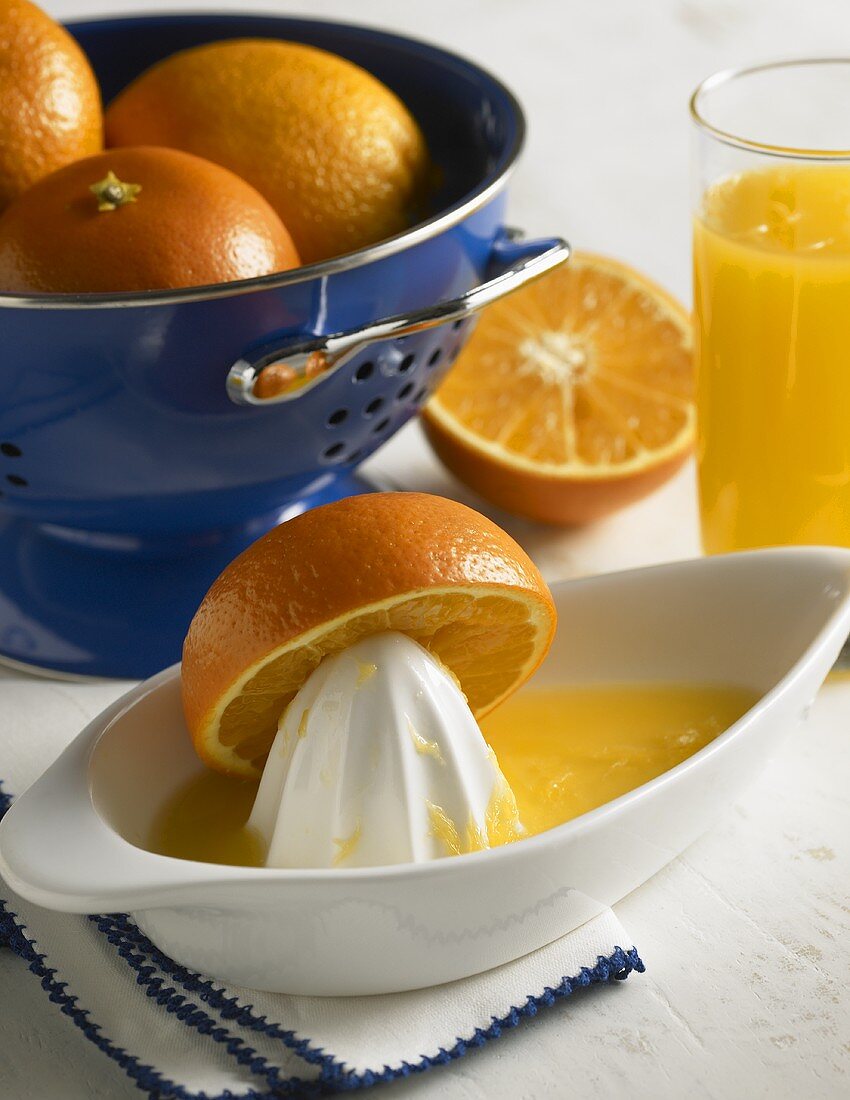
142,445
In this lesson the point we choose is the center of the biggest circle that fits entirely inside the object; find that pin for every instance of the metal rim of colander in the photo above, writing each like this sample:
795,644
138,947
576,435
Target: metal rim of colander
487,189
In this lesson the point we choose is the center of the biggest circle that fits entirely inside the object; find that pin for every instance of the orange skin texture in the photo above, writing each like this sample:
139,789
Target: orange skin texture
51,112
334,151
336,559
193,223
561,502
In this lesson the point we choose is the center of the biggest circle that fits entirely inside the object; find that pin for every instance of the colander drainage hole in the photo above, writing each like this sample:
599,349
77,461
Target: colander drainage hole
406,364
381,426
337,417
364,371
332,452
10,450
458,324
14,479
435,357
374,406
406,389
420,395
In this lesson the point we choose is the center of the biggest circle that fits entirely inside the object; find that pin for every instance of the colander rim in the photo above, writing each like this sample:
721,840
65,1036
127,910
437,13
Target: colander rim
492,183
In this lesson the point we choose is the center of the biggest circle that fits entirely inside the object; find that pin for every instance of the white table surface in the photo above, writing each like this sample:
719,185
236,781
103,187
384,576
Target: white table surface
747,936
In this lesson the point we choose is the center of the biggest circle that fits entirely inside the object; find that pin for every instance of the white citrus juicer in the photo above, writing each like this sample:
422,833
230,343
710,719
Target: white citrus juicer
379,760
772,621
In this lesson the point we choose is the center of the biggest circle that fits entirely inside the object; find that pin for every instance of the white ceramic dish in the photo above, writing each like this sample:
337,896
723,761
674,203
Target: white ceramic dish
773,621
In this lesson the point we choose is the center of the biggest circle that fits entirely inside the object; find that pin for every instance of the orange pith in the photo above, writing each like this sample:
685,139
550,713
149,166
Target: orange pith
426,566
335,152
574,396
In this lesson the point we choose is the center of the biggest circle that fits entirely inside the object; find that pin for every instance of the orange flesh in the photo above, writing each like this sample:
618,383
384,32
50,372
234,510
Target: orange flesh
589,367
446,623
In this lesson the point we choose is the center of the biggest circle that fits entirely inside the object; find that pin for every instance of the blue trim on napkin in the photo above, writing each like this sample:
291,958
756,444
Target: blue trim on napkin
154,969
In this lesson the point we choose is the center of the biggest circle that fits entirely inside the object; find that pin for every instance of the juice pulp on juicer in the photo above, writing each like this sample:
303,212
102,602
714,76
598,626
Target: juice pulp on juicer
563,751
772,299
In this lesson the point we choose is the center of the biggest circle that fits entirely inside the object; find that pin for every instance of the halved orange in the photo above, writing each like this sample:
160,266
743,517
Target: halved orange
429,567
573,397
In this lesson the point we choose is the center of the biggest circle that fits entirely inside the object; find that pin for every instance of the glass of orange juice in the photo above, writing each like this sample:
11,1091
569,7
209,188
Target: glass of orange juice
772,304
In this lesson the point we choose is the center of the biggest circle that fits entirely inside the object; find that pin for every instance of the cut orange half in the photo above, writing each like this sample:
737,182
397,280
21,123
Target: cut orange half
428,567
573,397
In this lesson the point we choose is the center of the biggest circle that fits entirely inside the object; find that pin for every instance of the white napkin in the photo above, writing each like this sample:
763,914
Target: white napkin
178,1034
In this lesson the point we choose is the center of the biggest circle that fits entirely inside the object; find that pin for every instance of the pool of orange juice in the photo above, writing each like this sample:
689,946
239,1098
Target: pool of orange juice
563,750
772,302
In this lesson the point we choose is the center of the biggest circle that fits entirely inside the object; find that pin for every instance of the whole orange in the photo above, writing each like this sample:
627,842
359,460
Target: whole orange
334,151
139,219
50,111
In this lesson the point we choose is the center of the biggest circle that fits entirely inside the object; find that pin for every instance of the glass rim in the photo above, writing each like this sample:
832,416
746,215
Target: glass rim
738,141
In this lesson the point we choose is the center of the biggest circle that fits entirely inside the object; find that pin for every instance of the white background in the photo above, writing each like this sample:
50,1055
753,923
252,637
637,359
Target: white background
746,937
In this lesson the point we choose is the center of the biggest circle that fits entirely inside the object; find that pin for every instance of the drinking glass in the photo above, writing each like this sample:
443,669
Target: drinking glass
772,304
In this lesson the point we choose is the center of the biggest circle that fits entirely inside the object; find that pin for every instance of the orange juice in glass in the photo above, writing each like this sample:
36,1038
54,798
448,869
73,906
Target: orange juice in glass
772,305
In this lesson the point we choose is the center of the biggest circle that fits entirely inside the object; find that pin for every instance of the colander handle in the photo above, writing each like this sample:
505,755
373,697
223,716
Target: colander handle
289,370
